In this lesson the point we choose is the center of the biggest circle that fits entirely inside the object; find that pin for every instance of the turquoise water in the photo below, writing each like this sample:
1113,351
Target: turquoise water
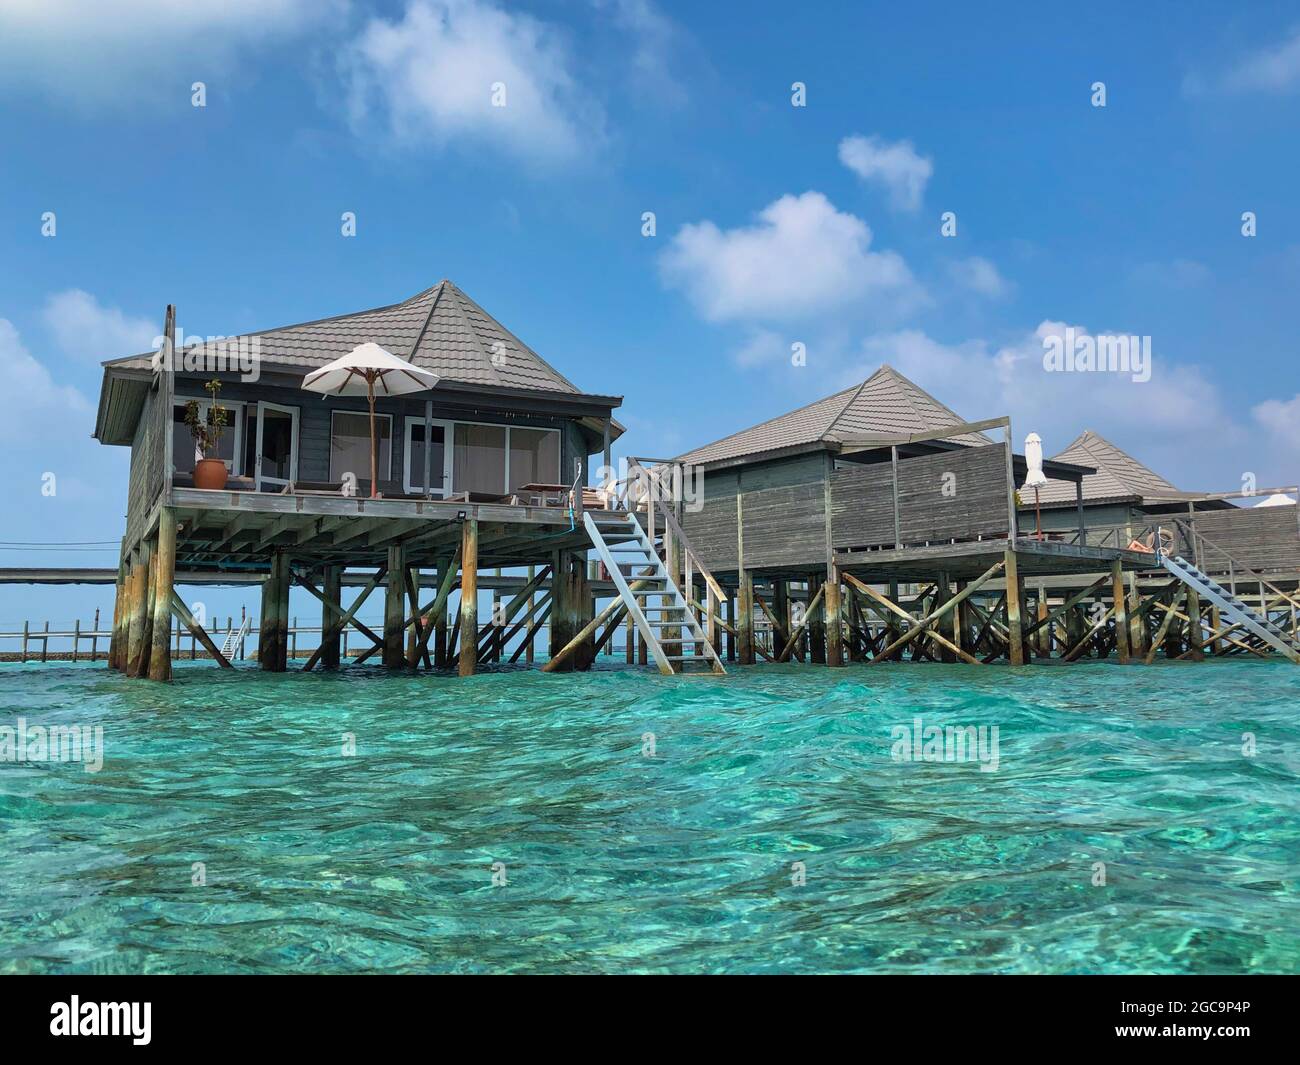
682,862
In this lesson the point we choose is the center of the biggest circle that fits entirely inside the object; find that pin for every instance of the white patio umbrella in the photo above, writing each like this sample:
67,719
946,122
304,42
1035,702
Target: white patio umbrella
1034,476
1277,499
363,371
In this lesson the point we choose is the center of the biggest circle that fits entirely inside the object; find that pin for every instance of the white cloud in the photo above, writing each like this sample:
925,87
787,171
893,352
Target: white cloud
428,78
85,329
1275,68
801,257
1281,418
104,56
1163,421
979,276
897,167
761,348
659,45
33,406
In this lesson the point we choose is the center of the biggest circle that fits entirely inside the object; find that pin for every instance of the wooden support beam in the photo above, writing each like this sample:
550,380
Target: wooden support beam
197,631
437,611
834,619
1082,645
799,629
394,612
584,634
1120,610
1195,626
817,622
148,580
348,617
745,623
544,606
117,644
1016,645
928,621
137,583
469,597
332,595
1163,631
334,608
160,656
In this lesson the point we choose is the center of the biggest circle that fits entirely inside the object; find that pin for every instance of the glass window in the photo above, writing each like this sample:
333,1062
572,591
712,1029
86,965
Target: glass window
350,446
185,452
479,459
437,460
534,457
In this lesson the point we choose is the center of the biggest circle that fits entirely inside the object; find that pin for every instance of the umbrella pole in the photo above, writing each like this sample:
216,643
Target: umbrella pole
374,462
1038,514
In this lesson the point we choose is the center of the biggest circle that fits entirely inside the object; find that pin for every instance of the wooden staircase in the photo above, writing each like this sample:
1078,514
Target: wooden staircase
662,614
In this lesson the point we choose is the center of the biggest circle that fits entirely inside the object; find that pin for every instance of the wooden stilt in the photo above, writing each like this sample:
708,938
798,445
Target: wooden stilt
817,622
529,650
348,617
1195,631
944,594
332,589
469,597
117,644
394,612
160,654
834,619
144,611
1121,612
745,623
1015,590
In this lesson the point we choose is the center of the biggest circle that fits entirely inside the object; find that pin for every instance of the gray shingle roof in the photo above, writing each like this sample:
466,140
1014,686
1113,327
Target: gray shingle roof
1119,475
440,329
885,404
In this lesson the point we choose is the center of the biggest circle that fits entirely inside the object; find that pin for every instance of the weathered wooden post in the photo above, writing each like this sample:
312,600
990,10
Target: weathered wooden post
1121,612
834,619
160,659
116,643
530,636
816,621
959,618
129,655
944,594
1194,634
266,624
469,597
393,656
1014,592
893,627
332,590
138,640
1215,625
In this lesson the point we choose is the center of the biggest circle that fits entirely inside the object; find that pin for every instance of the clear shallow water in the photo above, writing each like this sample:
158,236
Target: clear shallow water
316,862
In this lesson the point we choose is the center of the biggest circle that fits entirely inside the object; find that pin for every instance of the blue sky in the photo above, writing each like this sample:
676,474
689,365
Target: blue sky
775,225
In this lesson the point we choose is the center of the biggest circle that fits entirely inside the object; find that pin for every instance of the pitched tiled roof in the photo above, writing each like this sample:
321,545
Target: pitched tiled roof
1119,475
440,329
885,404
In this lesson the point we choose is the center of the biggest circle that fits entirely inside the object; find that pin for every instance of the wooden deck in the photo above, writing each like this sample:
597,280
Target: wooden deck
964,561
223,528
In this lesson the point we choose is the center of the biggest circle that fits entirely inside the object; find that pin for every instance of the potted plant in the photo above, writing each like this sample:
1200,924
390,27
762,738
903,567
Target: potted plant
209,472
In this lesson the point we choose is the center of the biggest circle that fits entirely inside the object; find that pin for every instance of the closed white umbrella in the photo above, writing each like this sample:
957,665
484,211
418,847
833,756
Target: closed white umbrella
363,371
1034,476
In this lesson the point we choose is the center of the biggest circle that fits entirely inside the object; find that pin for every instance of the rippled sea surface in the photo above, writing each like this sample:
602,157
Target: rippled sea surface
684,861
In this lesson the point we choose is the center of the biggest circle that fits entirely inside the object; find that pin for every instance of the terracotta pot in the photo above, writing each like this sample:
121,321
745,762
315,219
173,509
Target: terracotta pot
211,474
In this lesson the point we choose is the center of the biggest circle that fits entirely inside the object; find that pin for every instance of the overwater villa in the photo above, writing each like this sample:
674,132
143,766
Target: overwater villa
880,487
869,525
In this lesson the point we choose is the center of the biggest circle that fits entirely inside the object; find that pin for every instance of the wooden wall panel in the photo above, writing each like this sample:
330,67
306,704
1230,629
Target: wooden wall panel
1263,538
